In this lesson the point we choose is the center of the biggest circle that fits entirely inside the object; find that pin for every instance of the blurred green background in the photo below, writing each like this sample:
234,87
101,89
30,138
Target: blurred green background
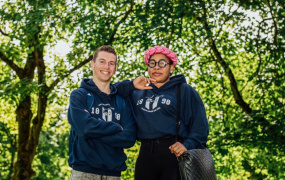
231,51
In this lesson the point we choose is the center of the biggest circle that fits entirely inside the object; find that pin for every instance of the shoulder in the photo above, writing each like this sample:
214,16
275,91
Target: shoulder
122,101
189,91
80,92
188,87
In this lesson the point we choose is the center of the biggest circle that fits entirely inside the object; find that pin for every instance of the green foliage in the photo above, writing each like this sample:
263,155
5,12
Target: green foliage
7,149
52,154
132,155
219,44
51,159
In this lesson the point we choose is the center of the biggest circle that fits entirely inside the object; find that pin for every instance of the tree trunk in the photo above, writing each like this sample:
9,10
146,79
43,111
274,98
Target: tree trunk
22,168
28,137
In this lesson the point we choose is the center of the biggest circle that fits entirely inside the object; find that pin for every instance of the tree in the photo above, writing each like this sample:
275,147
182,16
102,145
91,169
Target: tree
232,52
28,29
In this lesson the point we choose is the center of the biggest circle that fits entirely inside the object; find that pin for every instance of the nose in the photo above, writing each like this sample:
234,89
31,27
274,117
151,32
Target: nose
156,66
107,65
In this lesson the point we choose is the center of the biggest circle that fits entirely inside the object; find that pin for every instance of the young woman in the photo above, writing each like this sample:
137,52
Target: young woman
155,115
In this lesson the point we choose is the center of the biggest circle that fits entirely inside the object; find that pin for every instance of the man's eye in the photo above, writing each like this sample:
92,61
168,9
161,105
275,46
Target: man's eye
112,64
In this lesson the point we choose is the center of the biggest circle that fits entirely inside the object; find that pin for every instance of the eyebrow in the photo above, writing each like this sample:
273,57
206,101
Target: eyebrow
159,59
102,59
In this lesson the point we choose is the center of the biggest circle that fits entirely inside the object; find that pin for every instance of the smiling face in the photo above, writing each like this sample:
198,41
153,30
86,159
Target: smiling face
161,75
104,67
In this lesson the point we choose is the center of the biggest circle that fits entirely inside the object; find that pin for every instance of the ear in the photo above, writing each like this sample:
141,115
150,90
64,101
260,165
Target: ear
92,65
171,68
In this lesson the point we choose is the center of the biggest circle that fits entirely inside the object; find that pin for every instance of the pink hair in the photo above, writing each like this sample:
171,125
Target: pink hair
160,50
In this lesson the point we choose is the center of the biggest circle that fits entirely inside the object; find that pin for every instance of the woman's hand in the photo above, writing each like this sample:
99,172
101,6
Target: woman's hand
178,149
142,83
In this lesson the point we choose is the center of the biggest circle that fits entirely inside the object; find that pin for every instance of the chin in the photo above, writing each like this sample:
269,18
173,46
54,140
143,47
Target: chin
106,79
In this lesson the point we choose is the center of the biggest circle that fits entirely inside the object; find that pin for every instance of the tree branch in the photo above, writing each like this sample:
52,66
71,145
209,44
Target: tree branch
258,51
275,25
39,61
227,69
238,98
3,33
51,87
119,23
29,69
226,20
19,71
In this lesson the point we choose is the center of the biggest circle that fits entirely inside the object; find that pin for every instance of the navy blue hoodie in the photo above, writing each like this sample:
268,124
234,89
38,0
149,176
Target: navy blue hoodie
155,112
100,133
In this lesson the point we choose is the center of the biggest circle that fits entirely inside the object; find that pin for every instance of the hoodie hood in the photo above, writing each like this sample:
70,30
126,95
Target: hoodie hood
91,86
174,80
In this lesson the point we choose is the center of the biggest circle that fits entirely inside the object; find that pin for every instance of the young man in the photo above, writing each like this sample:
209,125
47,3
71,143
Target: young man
102,123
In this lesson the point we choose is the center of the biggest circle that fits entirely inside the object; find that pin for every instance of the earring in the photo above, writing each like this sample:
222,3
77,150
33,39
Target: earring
171,72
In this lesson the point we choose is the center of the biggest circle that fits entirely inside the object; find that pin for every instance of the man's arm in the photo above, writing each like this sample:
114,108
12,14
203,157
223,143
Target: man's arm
83,123
127,137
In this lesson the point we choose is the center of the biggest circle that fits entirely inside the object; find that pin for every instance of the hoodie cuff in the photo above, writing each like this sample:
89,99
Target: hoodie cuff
188,145
131,86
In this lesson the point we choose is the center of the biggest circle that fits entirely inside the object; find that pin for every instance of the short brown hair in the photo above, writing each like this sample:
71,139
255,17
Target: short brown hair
105,48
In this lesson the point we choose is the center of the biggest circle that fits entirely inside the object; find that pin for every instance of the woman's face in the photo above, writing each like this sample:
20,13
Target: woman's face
160,74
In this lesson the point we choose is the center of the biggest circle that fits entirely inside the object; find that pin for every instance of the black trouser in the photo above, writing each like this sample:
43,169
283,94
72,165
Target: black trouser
156,162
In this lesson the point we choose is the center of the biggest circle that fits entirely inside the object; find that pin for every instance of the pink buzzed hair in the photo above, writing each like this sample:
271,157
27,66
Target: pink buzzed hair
160,50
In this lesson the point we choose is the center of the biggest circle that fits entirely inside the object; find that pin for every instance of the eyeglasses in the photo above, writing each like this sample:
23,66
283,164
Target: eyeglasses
161,63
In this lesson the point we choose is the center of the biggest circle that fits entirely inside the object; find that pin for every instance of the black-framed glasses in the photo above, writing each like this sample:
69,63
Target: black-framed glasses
161,63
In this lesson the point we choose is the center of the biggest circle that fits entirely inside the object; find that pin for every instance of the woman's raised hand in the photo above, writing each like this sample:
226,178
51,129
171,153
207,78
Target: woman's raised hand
142,83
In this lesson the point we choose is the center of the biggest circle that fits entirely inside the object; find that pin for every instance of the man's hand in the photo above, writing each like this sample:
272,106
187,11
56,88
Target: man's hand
142,83
178,149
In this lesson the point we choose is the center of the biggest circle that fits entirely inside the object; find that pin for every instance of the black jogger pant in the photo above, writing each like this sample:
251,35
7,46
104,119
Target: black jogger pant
156,162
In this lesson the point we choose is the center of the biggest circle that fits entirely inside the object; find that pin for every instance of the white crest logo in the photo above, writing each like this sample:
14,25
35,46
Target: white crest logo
151,104
154,102
106,114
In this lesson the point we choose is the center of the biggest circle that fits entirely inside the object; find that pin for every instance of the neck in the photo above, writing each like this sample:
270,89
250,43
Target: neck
159,84
103,86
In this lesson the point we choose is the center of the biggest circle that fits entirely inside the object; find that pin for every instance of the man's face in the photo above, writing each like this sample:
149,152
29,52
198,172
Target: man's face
104,66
